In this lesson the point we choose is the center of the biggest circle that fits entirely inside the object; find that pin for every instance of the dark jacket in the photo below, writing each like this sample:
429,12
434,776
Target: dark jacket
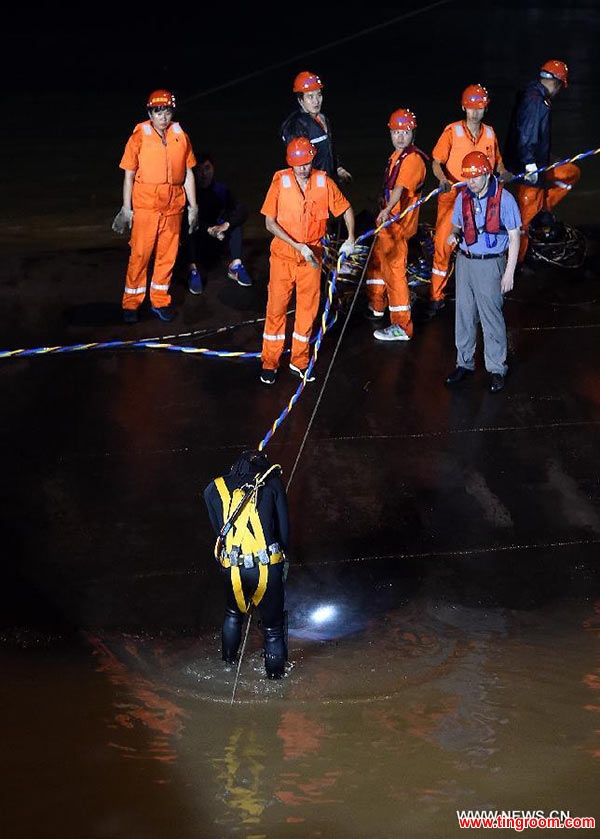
301,124
528,139
217,204
272,500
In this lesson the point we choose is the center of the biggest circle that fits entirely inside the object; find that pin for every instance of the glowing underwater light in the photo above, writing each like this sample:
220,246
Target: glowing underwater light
323,614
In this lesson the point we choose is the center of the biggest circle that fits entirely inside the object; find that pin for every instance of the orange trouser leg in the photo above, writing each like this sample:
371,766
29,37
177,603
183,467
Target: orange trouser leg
308,293
167,247
397,285
559,182
280,290
375,276
442,250
141,243
155,233
530,200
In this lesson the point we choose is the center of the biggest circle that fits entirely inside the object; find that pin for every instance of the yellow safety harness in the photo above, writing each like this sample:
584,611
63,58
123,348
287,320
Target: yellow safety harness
241,540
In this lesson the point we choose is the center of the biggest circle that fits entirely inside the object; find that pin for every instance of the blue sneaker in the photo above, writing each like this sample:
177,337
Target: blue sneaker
240,275
195,283
165,313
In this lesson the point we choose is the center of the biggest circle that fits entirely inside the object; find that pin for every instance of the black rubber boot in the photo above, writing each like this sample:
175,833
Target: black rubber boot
231,635
275,652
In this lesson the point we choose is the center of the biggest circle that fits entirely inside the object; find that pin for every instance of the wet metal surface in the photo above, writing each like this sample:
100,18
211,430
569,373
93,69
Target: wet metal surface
444,594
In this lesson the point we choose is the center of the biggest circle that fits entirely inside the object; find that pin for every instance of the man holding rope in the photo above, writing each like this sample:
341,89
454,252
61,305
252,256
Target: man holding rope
296,210
386,282
528,148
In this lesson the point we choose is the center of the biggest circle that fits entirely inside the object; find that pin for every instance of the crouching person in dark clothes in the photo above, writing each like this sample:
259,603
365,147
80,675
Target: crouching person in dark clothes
486,225
248,511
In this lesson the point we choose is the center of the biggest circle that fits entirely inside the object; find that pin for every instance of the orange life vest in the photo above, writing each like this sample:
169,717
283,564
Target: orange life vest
162,162
303,216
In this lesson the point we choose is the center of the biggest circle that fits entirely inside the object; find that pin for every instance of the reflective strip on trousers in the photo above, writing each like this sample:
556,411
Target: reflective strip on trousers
300,337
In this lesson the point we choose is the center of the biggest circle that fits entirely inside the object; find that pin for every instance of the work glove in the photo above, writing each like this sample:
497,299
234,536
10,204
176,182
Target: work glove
309,256
122,221
445,186
192,213
532,175
506,177
347,248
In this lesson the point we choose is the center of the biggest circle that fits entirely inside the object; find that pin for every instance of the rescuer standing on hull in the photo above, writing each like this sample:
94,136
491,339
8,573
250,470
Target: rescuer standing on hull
296,210
248,510
528,148
158,177
457,140
485,223
386,282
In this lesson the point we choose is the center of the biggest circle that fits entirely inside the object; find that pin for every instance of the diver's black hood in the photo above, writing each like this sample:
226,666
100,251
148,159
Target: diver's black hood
250,463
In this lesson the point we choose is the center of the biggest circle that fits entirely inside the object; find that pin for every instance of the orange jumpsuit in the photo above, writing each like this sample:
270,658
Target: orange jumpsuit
532,199
386,281
304,218
158,201
454,143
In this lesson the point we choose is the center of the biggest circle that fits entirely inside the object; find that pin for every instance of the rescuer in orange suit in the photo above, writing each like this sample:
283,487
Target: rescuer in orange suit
296,210
528,148
158,166
457,140
386,282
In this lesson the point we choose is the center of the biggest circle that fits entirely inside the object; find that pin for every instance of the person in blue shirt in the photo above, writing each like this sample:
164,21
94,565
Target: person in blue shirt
486,231
221,217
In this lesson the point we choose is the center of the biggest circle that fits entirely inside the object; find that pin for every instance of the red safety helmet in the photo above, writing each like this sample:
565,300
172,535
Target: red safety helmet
556,70
475,164
402,120
161,99
475,96
300,151
306,81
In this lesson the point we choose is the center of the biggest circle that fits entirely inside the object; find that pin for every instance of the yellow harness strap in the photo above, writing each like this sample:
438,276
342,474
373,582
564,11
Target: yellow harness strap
248,534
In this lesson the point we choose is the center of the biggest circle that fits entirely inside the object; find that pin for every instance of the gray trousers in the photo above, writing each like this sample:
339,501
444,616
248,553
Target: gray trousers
479,300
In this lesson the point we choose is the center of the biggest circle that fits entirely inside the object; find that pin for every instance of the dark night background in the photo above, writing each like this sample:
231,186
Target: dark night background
78,86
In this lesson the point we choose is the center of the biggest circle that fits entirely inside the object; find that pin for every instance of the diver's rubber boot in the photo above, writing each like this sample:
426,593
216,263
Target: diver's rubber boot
275,652
231,635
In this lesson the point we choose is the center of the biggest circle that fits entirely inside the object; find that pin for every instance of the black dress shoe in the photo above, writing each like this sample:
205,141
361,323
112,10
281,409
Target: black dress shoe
458,375
496,382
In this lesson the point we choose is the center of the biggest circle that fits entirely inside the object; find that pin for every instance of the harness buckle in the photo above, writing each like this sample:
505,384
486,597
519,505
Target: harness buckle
248,560
234,555
263,556
274,548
